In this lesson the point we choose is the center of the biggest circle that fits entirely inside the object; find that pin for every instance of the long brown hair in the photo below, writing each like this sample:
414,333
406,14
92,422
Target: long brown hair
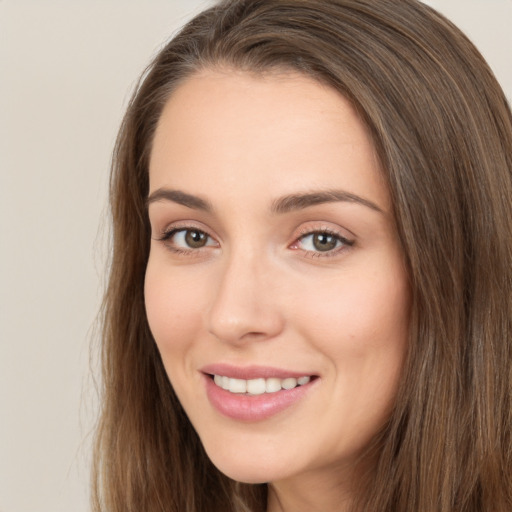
442,129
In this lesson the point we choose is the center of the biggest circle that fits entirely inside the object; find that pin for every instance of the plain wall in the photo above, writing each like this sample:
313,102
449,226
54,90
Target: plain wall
66,71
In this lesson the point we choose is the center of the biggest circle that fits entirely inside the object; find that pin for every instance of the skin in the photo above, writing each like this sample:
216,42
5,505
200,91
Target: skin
259,292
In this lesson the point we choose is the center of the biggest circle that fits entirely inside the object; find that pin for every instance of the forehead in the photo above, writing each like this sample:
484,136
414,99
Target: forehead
285,129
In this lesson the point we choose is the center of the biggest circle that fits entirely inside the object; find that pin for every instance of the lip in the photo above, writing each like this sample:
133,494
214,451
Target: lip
253,408
251,372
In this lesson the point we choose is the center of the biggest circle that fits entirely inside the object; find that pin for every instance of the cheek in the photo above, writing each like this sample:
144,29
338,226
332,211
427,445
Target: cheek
358,314
361,327
172,308
364,334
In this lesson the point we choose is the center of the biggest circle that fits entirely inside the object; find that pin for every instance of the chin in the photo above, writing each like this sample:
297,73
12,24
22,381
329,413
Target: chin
247,469
247,475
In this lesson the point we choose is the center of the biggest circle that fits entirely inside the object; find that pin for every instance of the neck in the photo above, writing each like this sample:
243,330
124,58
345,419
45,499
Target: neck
310,493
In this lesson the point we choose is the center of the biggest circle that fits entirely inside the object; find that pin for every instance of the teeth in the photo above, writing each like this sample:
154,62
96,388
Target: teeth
272,385
237,386
289,383
255,386
258,386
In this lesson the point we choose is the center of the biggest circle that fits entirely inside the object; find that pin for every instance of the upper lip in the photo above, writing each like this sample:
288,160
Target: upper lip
251,372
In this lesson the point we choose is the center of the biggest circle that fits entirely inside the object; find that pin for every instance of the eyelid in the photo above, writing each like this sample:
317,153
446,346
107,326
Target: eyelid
346,243
307,230
165,237
169,228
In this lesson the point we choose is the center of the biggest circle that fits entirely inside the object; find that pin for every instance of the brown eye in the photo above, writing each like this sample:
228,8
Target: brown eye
187,239
324,242
195,239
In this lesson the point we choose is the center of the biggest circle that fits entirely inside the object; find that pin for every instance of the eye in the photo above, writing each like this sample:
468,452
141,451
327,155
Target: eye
322,242
185,239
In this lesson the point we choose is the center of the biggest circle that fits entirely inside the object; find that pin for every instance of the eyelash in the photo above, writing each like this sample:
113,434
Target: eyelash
166,239
344,243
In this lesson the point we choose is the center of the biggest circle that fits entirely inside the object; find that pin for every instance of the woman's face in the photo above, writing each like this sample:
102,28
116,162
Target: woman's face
275,272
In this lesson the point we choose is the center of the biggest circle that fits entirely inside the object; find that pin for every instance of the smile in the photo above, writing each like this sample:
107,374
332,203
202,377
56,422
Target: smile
255,393
258,386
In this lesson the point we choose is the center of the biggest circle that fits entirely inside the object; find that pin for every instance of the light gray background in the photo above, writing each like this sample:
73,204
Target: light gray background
66,72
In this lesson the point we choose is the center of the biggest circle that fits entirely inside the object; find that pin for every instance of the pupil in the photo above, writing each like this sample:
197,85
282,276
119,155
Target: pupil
323,242
195,239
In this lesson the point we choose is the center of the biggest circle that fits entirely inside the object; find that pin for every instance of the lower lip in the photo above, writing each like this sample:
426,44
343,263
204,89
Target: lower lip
253,407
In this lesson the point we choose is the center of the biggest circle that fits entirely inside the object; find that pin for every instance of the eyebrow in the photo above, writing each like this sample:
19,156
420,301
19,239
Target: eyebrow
281,205
294,202
177,196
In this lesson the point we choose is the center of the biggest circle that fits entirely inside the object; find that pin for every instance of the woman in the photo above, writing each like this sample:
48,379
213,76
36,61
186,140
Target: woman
310,304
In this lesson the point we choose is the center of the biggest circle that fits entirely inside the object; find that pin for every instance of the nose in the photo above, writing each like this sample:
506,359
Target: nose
245,306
